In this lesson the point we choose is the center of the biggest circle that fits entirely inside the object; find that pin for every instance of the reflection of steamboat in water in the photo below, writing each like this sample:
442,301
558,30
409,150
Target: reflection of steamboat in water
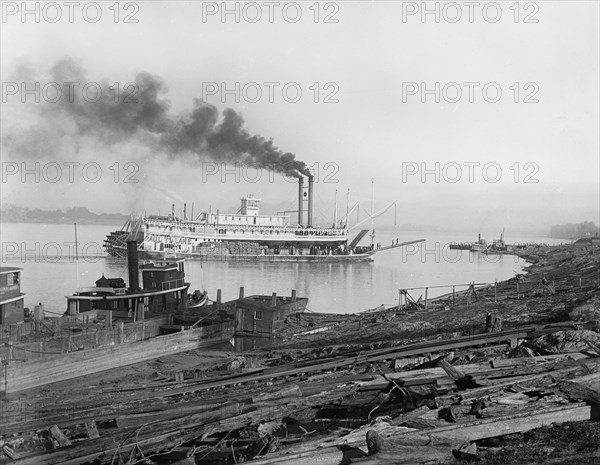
245,235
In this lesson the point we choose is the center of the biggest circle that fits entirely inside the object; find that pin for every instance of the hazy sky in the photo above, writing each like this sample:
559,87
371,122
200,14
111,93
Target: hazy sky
369,74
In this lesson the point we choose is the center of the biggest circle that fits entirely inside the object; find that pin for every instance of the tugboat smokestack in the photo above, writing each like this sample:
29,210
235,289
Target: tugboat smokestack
300,199
133,265
184,208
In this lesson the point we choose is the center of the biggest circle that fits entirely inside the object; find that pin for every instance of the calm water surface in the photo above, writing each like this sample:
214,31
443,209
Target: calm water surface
50,271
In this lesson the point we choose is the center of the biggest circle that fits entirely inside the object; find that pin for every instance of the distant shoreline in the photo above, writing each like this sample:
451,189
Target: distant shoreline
83,222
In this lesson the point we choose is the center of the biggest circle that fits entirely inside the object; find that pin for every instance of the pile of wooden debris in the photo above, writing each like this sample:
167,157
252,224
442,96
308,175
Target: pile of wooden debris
420,403
349,388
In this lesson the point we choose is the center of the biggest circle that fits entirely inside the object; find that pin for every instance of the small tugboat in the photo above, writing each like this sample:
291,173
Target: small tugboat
163,289
479,246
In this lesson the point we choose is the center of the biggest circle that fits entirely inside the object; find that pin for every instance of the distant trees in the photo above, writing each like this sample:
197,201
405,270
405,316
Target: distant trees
574,231
14,214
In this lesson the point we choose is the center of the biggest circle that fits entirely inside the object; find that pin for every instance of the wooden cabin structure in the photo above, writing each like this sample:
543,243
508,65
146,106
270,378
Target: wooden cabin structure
12,309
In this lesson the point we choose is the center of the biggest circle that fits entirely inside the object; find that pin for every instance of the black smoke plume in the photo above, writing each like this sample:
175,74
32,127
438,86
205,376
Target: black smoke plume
141,112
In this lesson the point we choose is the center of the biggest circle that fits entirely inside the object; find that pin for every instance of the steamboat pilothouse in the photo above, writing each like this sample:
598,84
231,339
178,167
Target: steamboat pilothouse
244,236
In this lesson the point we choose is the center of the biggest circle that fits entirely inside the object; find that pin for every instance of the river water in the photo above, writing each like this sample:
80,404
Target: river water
46,253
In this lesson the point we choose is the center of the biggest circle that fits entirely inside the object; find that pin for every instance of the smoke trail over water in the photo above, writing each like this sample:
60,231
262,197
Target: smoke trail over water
140,113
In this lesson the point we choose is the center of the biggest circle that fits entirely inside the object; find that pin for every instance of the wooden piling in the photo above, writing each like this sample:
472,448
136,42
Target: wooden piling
218,296
241,292
274,299
121,329
293,295
468,293
426,292
139,306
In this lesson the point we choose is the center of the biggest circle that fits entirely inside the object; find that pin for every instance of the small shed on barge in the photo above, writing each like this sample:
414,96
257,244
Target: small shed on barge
265,314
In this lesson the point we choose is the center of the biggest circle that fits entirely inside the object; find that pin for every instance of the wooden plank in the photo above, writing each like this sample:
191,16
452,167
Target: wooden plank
510,424
135,419
580,392
408,455
416,413
57,434
11,454
525,361
453,372
592,380
286,391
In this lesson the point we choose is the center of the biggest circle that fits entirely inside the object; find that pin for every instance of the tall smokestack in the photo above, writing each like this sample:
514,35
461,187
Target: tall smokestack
133,265
184,208
300,199
309,220
173,210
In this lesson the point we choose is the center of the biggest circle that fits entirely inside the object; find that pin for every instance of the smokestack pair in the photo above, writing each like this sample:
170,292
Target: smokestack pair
184,211
309,218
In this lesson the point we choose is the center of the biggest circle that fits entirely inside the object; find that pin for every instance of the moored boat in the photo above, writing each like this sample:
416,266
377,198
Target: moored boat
197,299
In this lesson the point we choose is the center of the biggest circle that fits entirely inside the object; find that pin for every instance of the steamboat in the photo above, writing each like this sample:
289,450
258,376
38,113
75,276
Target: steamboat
246,235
